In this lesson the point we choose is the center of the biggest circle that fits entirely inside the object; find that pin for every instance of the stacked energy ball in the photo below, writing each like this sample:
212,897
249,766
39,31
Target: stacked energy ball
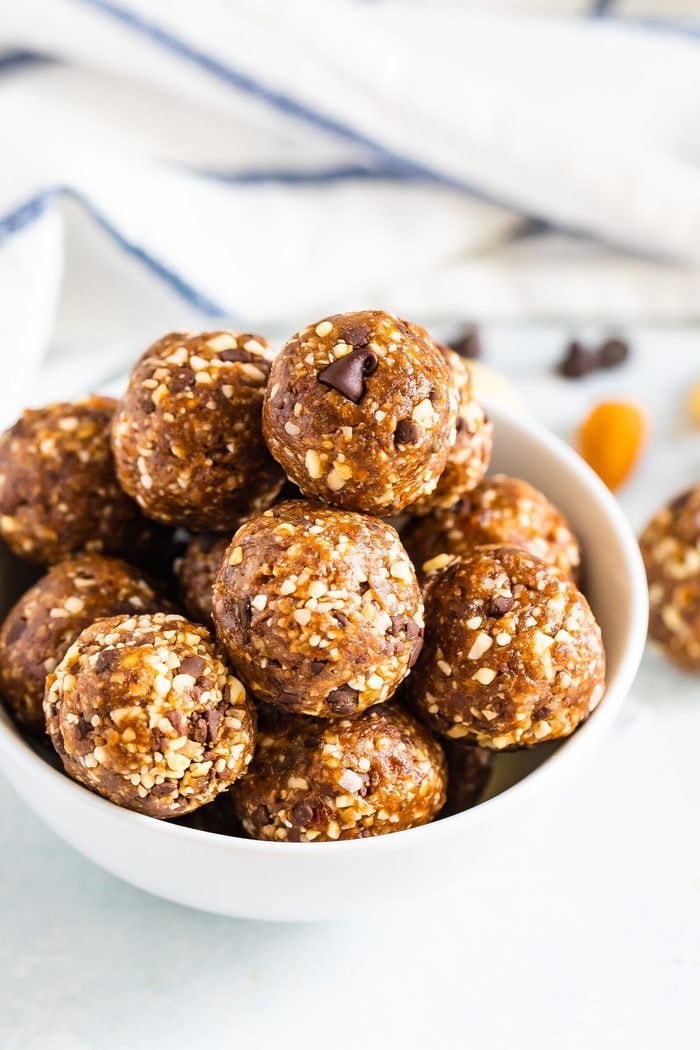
369,618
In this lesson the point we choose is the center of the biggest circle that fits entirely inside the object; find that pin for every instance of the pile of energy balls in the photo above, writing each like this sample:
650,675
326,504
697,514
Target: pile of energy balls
369,618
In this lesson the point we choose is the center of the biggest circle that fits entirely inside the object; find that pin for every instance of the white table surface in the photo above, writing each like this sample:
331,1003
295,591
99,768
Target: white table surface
588,939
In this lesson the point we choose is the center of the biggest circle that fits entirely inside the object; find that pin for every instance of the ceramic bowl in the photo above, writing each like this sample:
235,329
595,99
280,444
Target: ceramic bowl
303,881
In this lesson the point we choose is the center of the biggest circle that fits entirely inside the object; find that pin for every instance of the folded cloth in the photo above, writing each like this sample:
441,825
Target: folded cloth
259,164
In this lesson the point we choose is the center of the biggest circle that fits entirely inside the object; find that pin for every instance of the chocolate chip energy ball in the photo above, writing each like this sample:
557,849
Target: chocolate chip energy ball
513,655
361,411
59,492
143,711
187,434
318,609
196,572
313,781
500,510
670,546
468,458
49,617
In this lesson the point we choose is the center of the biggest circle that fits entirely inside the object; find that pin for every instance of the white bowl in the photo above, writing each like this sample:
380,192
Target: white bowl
299,881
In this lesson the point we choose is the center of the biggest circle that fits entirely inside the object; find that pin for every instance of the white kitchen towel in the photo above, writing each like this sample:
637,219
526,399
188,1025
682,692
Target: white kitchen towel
261,163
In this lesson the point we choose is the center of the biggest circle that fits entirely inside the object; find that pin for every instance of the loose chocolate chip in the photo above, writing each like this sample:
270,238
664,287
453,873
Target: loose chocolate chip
468,344
260,816
578,361
15,631
406,433
342,701
357,335
106,660
192,665
500,605
347,374
302,814
183,379
317,666
166,788
213,717
243,608
613,352
415,651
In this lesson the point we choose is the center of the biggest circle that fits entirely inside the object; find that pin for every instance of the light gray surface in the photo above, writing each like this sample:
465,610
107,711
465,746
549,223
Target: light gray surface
589,938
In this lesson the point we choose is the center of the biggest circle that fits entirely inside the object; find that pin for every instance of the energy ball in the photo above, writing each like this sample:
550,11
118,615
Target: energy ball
187,435
670,546
317,781
143,711
500,510
318,609
361,411
59,492
196,571
468,458
513,655
49,617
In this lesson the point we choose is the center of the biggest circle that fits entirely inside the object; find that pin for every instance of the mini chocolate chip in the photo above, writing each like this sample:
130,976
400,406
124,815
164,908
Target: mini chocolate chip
413,630
415,651
243,609
347,374
83,728
107,660
302,814
288,699
342,701
406,433
341,618
468,344
193,665
433,396
236,354
166,788
500,605
364,790
177,721
612,353
181,380
261,816
357,335
293,835
16,631
199,731
577,362
213,717
317,666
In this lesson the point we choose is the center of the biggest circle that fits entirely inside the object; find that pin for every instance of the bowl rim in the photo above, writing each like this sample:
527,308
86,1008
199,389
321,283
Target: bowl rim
17,750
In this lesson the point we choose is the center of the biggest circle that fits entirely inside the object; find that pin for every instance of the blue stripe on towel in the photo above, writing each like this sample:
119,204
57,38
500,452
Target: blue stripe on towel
16,59
302,177
33,209
401,166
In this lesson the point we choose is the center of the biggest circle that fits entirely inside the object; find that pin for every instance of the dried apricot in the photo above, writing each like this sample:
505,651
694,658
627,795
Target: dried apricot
610,440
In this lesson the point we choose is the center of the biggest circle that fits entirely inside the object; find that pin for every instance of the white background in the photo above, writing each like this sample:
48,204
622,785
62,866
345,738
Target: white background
588,939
